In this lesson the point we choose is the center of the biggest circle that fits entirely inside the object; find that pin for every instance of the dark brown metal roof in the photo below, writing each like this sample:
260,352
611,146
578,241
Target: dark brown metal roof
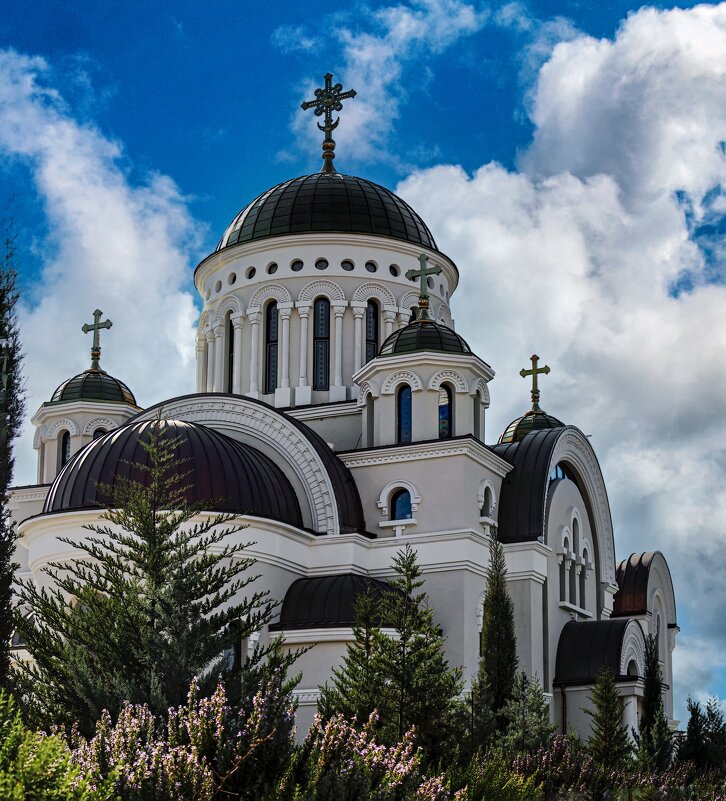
585,647
632,576
93,385
324,601
423,335
524,490
230,475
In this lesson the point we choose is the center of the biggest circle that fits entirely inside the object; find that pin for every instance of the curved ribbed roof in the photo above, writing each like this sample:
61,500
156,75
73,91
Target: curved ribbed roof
585,647
324,601
228,475
327,202
423,335
93,385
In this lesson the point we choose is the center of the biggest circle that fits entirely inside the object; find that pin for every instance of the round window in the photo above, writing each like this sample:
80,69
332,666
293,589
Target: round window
251,272
296,266
394,270
207,294
271,268
218,286
347,265
371,266
321,264
430,283
232,278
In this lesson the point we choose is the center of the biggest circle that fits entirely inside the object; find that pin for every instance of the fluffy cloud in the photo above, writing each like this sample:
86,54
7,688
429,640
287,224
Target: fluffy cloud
578,257
117,245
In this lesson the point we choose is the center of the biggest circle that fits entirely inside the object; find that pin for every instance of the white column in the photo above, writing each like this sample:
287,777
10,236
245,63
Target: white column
209,336
219,358
254,318
303,393
337,390
359,309
283,395
389,317
403,317
201,358
237,323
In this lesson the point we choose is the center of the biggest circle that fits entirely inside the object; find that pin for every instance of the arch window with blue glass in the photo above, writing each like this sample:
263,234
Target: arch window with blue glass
371,330
271,318
446,412
321,344
65,448
401,505
404,416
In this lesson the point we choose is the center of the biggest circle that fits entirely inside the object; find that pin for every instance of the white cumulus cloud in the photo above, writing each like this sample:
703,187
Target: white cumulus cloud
118,245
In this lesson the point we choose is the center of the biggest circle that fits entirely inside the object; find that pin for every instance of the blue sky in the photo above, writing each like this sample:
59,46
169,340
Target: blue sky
569,156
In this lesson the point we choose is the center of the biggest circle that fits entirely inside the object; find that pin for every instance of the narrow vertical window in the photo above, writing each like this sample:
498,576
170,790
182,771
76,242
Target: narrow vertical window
321,345
271,348
446,412
371,330
401,505
230,352
486,507
583,581
404,417
65,448
369,421
477,416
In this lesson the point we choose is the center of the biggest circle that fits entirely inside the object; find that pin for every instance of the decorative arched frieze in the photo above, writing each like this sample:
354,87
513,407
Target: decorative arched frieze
452,377
373,290
573,448
314,289
632,648
443,315
401,377
386,493
408,300
98,422
203,323
230,304
256,421
480,386
364,390
64,424
269,292
39,436
660,587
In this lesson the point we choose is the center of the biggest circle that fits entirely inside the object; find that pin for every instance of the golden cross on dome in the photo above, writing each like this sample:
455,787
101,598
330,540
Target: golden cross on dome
96,327
534,372
423,292
327,100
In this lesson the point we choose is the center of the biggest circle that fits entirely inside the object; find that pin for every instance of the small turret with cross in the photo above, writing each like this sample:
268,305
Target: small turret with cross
534,372
96,327
423,296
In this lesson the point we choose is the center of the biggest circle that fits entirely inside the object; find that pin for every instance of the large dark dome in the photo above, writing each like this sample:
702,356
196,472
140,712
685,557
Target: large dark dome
230,475
327,202
423,335
93,385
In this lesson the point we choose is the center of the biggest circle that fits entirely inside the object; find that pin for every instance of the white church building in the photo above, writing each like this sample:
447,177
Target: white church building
341,416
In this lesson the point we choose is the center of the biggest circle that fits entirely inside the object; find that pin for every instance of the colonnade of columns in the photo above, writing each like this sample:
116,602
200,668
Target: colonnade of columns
212,349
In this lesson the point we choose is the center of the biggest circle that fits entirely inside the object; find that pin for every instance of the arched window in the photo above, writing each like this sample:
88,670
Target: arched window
99,432
371,330
65,448
446,412
583,581
477,415
486,507
271,348
403,415
369,421
563,572
401,505
230,352
321,344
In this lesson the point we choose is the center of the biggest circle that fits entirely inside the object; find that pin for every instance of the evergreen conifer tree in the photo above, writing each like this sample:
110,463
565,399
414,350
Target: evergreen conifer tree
357,685
499,662
12,404
715,731
655,740
418,688
609,745
156,600
693,746
527,716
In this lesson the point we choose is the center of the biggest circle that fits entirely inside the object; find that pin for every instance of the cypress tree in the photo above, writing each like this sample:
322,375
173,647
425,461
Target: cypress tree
527,716
499,662
153,603
12,405
655,740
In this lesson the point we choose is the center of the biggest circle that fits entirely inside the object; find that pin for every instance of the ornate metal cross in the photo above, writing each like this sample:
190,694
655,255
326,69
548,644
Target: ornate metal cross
534,372
96,327
327,100
423,292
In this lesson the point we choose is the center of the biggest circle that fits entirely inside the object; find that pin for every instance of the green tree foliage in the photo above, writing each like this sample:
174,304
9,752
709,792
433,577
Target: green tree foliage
489,777
38,766
655,740
12,405
499,662
527,715
609,745
357,685
705,740
156,599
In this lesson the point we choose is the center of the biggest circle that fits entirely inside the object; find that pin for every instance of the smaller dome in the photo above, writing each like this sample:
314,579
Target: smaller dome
532,421
94,385
422,335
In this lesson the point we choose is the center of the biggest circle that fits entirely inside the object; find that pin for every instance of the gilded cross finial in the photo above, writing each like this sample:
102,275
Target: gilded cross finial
423,293
96,327
327,100
534,372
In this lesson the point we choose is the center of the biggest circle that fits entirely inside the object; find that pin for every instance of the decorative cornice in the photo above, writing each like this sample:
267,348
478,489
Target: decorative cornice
426,359
323,410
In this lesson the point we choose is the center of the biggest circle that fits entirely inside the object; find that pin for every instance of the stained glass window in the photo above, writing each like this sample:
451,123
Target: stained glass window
404,421
321,344
371,330
271,318
446,412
